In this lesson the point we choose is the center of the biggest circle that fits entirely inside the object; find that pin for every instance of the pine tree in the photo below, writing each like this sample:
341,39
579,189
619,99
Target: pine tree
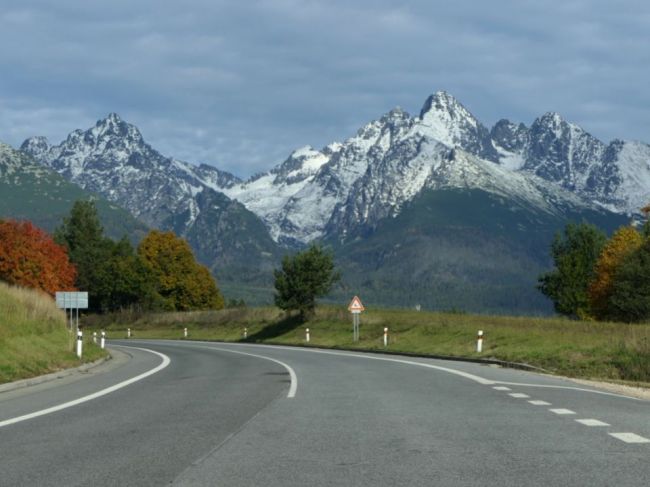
114,276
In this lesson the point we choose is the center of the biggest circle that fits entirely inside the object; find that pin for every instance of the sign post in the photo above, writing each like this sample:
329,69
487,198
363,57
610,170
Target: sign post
355,307
73,301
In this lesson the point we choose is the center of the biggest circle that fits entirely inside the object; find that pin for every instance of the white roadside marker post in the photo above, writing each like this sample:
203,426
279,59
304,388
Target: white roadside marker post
95,337
79,342
479,341
245,332
102,343
307,335
185,332
128,333
385,336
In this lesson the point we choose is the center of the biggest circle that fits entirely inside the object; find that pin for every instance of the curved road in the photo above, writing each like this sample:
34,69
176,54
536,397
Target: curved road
251,415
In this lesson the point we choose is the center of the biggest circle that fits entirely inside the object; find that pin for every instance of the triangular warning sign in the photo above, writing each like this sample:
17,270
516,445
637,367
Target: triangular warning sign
355,305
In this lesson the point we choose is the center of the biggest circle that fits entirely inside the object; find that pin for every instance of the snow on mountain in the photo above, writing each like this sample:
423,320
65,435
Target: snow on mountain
296,199
624,180
369,176
113,160
445,119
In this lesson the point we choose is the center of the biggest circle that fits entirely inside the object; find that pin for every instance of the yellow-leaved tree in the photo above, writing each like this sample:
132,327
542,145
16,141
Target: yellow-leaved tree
624,241
183,283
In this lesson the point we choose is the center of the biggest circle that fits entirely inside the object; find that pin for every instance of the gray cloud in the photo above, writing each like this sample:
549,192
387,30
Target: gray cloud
241,84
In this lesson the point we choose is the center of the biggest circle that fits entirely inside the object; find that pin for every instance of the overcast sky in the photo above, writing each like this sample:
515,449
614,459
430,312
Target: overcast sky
240,84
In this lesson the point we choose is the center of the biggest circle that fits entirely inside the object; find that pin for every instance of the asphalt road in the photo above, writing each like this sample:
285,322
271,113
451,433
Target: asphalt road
246,415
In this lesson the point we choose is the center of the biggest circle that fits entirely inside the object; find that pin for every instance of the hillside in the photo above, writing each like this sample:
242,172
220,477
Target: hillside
458,249
34,339
33,192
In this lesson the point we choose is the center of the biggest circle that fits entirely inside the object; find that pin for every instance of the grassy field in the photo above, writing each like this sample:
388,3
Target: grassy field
34,339
611,351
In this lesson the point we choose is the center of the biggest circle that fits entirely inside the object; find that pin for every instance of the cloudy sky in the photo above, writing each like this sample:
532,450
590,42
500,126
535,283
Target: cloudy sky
240,84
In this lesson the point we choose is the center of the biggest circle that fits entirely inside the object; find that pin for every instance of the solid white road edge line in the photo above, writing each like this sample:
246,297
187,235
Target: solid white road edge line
467,375
294,378
165,362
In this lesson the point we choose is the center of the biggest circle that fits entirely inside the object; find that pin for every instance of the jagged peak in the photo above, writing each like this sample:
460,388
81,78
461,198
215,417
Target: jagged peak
551,118
397,113
442,101
304,151
37,144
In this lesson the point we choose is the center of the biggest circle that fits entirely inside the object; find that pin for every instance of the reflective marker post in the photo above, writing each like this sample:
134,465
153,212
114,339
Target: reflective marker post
307,335
79,342
385,336
479,341
102,342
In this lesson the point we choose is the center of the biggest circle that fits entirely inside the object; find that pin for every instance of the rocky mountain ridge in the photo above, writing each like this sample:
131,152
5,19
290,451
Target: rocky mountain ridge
390,177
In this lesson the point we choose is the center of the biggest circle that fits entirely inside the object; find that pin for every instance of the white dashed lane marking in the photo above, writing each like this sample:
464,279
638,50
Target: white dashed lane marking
630,438
592,422
561,411
537,402
625,437
519,395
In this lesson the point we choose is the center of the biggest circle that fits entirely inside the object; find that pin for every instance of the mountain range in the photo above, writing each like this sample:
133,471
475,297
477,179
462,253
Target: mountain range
435,209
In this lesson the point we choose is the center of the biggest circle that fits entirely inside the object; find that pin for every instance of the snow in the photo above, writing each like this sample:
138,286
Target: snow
634,164
513,161
370,175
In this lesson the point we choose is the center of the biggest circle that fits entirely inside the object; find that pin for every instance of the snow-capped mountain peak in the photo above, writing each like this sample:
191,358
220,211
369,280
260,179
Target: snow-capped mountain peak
446,120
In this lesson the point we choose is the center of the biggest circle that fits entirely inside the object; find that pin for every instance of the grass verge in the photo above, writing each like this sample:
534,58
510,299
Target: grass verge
592,350
34,339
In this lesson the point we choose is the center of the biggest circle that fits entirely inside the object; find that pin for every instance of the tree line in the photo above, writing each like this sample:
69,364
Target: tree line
600,278
160,274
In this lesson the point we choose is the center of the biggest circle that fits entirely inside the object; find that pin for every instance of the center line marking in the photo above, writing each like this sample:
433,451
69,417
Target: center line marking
519,395
630,438
562,411
537,402
592,422
501,388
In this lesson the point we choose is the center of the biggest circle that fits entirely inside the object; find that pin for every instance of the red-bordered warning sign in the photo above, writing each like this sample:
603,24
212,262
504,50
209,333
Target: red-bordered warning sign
356,306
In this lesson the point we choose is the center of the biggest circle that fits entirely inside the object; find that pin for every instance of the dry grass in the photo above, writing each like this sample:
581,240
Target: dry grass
33,335
612,351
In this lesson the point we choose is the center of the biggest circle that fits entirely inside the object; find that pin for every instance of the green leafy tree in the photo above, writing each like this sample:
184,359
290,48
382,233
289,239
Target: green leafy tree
303,278
183,283
575,255
629,300
112,273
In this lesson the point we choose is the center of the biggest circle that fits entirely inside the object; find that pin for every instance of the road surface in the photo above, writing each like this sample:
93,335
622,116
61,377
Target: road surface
196,413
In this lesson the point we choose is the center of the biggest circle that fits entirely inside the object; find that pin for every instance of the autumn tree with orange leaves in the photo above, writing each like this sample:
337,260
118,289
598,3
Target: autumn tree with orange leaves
29,257
183,283
624,241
